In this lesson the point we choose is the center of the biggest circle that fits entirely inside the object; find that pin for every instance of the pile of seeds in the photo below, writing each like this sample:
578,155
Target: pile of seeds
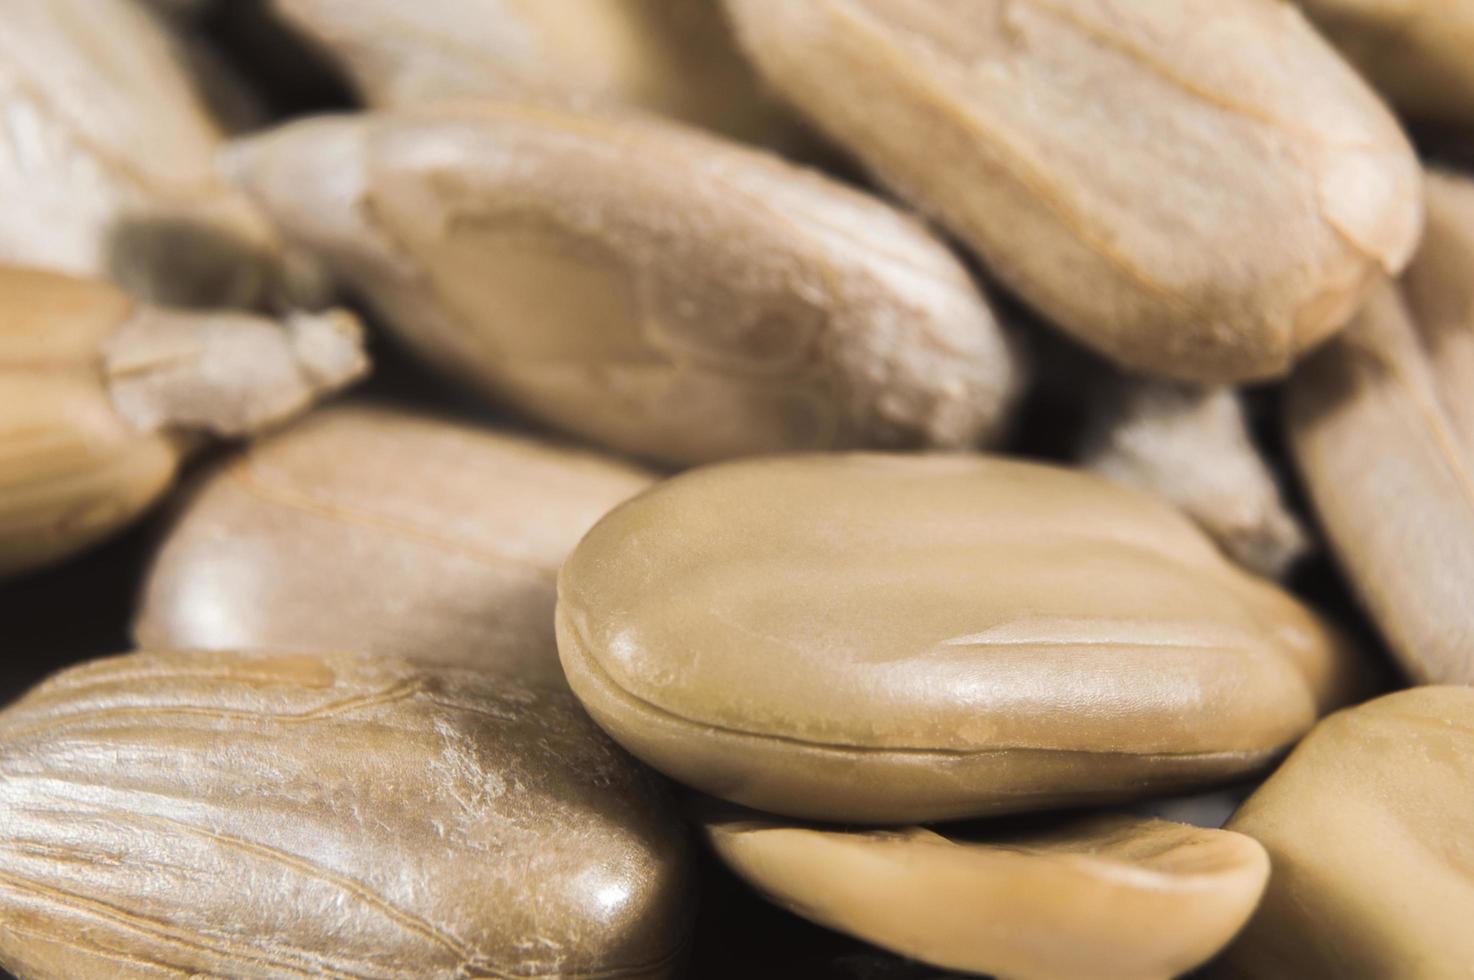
993,477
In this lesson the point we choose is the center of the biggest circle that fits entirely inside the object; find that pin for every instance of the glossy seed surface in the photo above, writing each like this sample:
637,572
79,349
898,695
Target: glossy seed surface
893,638
288,815
371,528
1108,896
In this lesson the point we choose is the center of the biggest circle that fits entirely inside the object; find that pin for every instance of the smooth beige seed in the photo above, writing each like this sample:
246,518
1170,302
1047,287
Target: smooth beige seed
1439,289
1191,447
1198,189
366,528
1367,827
676,58
1416,52
103,397
217,814
658,291
1393,486
107,161
1109,897
889,639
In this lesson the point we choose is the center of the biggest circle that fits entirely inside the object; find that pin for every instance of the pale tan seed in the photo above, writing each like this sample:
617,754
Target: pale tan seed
1439,289
1199,189
1191,446
101,397
368,528
253,816
886,639
676,58
1393,486
107,162
653,289
1367,828
1416,52
1112,897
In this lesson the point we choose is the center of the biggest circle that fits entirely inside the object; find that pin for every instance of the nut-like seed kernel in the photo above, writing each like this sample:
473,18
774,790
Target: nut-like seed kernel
1367,828
1109,896
1415,51
1191,446
1201,189
1439,288
104,396
107,161
1393,485
660,291
911,638
215,814
673,57
365,528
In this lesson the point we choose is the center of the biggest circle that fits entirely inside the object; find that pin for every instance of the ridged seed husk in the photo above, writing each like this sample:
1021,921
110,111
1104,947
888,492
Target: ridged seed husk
363,527
676,58
290,816
1202,190
1393,486
104,396
650,288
